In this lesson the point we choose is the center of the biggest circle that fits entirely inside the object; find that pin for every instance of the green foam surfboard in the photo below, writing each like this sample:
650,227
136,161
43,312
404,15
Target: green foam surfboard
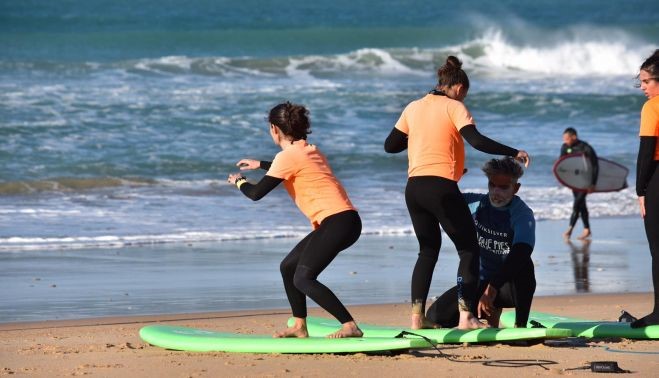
198,340
319,327
586,328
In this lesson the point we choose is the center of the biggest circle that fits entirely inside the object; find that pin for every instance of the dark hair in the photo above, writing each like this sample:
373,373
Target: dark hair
291,119
571,131
451,73
651,64
506,166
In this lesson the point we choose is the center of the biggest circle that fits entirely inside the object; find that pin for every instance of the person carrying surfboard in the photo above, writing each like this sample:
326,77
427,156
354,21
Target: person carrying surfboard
647,173
310,182
572,145
431,129
506,236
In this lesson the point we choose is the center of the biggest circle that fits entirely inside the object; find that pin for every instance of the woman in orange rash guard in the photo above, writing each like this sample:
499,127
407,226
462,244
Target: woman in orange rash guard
431,129
647,173
320,196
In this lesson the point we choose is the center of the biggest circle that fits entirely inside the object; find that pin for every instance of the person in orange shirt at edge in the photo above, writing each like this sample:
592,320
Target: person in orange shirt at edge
647,174
309,180
431,129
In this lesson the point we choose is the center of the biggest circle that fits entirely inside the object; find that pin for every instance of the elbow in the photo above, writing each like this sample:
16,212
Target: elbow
389,149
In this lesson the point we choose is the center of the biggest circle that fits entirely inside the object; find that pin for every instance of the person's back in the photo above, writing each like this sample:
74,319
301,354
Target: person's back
435,146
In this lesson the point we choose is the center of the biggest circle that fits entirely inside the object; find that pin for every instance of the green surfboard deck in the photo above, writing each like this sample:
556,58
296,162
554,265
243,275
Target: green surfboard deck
586,328
198,340
319,327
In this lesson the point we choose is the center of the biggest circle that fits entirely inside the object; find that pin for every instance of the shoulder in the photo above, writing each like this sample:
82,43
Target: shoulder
519,210
651,106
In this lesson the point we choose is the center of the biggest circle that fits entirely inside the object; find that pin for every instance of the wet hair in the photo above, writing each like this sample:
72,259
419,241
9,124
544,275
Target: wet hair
291,119
651,64
506,166
570,131
451,73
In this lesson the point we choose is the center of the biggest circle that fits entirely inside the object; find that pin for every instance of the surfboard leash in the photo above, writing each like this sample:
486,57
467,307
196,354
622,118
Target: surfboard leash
496,363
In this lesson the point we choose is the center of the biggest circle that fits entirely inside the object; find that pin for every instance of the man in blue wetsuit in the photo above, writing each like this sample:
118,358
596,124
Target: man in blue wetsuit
572,145
506,236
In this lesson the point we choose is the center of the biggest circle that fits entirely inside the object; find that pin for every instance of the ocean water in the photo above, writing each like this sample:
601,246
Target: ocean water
120,120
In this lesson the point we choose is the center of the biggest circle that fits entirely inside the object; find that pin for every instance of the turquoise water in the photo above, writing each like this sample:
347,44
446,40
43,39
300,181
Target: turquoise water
120,120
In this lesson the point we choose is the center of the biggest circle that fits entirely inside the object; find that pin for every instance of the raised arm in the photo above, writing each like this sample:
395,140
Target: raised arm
489,146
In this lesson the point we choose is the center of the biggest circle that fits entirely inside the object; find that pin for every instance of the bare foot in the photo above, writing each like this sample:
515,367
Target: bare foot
586,234
349,329
299,329
469,321
421,322
567,234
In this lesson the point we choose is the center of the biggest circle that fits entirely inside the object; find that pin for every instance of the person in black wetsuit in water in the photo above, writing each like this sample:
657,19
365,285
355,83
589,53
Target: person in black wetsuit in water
572,145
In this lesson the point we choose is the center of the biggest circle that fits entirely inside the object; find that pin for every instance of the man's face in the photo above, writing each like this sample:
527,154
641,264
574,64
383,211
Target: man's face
501,189
569,139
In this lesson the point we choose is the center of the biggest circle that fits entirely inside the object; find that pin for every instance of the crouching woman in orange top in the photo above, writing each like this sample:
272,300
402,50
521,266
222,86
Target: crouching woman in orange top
431,129
320,196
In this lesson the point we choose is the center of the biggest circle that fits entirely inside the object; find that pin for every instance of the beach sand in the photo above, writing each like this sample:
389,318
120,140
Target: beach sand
111,347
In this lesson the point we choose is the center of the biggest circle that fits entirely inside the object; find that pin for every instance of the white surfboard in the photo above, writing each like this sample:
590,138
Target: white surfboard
575,172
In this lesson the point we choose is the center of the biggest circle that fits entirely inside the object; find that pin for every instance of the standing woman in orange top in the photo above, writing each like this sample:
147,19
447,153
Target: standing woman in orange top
431,129
320,196
647,173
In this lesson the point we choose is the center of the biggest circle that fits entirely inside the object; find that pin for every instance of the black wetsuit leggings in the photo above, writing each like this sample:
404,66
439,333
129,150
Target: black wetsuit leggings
516,293
301,267
579,209
651,221
432,201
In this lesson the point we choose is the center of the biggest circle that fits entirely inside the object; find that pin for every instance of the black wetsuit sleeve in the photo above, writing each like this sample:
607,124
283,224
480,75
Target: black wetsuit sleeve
592,157
257,191
564,149
645,163
265,165
485,144
396,142
518,253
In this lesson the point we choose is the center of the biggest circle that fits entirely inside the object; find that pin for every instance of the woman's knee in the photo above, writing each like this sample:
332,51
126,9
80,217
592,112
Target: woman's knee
303,277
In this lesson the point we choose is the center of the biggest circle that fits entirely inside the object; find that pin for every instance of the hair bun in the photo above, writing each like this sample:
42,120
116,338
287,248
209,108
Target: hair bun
453,62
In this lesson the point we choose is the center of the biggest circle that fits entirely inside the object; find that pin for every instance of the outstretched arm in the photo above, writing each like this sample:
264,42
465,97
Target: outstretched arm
254,191
489,146
250,164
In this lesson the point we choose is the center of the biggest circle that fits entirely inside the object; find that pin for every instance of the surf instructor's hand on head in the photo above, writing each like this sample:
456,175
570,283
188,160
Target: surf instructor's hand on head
524,158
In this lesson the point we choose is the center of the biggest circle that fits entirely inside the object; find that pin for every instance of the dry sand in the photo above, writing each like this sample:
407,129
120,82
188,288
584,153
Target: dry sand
111,347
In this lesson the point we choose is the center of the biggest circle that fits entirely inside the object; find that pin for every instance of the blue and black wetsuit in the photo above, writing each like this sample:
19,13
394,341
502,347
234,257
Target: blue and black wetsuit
506,237
579,208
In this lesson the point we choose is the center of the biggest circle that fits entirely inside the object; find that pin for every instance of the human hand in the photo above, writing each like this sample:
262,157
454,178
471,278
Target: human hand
486,303
641,202
234,177
248,164
524,158
591,189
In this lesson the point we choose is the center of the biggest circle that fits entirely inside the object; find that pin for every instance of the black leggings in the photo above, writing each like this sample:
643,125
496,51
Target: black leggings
517,293
432,201
579,209
651,221
301,267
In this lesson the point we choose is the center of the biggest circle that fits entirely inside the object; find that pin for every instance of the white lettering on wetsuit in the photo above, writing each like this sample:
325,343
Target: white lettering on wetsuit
491,240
